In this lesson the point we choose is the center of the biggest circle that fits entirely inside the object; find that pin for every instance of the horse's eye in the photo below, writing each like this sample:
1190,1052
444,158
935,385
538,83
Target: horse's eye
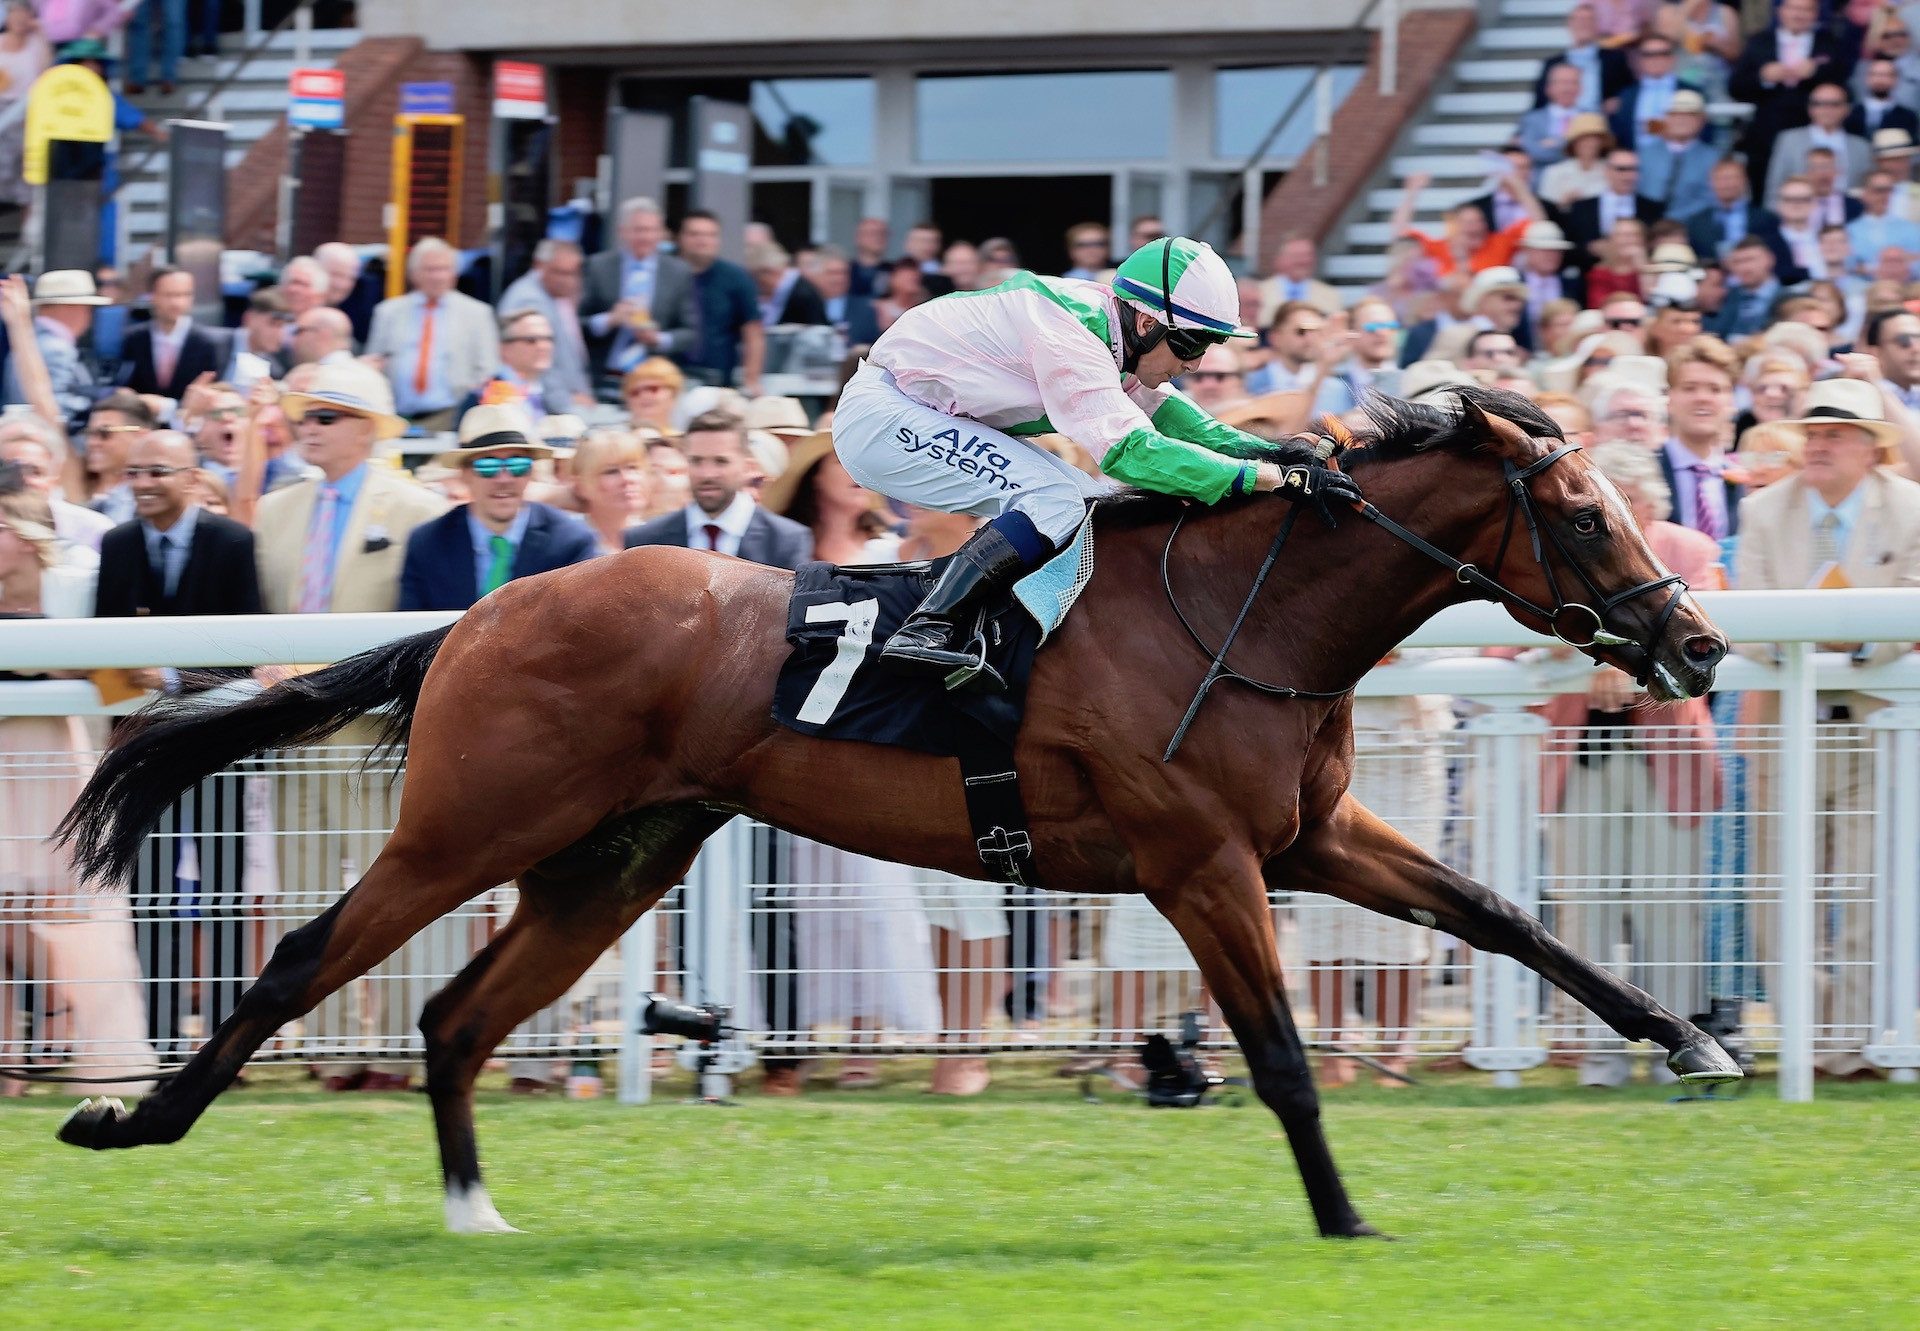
1587,524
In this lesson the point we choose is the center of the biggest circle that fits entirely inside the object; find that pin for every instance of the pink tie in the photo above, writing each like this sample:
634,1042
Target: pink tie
1705,518
316,565
165,357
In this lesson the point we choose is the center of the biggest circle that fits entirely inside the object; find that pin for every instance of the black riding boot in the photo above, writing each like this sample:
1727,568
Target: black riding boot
985,567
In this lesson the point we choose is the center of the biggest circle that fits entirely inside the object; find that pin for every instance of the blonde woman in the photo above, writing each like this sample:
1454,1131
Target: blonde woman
75,946
1774,382
650,391
611,485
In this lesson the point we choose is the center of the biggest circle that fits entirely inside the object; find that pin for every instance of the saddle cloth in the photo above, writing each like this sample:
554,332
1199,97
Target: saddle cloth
832,685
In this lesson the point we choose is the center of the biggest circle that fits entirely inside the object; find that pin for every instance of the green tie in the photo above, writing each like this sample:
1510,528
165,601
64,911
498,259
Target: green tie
502,566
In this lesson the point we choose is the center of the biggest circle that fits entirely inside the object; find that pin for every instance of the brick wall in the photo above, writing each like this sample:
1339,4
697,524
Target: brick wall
580,100
375,69
1365,127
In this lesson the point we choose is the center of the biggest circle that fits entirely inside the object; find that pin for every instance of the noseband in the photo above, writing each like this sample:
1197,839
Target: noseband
1576,623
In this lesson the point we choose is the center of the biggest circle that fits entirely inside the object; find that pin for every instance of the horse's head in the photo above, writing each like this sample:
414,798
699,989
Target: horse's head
1560,548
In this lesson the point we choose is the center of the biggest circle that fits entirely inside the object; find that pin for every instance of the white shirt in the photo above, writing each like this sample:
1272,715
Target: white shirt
732,521
1793,47
173,341
1805,246
1613,207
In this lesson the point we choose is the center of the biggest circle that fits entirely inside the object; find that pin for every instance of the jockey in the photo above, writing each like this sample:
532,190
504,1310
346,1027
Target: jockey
935,415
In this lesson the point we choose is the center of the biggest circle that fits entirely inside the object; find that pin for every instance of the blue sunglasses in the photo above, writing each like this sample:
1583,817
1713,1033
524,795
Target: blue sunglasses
491,467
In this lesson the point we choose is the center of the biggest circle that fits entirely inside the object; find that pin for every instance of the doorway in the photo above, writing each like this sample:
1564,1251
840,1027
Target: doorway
1033,212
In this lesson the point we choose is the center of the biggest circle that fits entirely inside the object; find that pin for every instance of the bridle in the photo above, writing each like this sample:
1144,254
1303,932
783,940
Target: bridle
1520,504
1594,632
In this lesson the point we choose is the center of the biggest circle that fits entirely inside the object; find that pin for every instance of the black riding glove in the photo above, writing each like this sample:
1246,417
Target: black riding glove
1305,478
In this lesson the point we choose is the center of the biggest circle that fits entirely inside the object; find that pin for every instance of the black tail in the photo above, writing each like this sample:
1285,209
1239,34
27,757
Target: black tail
180,741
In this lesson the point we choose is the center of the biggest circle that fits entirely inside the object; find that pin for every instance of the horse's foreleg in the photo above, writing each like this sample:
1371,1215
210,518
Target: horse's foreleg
572,909
393,900
1355,856
1224,918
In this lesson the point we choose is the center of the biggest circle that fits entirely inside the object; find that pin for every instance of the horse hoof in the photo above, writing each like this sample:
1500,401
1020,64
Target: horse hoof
92,1121
471,1211
1703,1062
1359,1229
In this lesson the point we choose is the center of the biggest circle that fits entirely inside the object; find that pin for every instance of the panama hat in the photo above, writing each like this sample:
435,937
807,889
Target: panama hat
777,495
1687,102
783,416
1847,402
1427,376
492,429
352,387
1893,142
1488,281
1589,122
1544,235
67,286
1671,256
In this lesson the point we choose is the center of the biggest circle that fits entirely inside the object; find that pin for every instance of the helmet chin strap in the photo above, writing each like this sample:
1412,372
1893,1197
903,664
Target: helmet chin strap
1134,344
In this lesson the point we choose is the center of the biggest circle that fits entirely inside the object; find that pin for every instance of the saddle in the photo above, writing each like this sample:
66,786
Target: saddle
832,686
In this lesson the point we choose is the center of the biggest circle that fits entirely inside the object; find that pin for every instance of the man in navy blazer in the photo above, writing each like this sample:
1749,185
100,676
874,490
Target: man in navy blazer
724,515
497,535
168,353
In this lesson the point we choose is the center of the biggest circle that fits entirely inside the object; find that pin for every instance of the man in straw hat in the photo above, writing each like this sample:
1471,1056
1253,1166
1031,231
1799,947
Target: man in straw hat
63,306
499,534
1843,520
1675,165
1894,153
335,543
1546,269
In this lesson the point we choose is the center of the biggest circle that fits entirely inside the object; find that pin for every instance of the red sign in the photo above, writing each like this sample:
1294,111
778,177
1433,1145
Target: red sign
514,81
323,85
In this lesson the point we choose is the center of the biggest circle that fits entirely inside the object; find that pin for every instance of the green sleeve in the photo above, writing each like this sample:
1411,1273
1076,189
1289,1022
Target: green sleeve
1172,466
1180,417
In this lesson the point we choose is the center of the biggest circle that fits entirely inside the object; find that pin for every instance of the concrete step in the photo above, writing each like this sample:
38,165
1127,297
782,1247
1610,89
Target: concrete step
1510,71
1443,167
1464,134
1434,201
1535,9
1541,40
1506,107
1355,267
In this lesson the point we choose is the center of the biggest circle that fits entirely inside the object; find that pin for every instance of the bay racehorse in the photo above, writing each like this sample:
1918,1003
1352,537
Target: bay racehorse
581,733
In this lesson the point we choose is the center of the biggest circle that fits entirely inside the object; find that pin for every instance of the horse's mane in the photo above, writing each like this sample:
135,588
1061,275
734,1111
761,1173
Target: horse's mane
1396,428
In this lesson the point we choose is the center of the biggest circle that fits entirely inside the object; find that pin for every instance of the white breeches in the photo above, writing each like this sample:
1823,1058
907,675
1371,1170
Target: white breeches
894,445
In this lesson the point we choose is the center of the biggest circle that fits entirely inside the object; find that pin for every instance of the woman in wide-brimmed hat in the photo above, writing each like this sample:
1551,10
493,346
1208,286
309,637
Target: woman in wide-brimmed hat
1583,172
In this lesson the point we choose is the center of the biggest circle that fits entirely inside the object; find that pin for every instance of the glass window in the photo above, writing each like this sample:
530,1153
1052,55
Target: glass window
1102,115
804,122
1246,102
797,122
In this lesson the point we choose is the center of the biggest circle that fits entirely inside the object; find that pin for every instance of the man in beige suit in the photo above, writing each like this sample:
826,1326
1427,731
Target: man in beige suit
1843,520
335,545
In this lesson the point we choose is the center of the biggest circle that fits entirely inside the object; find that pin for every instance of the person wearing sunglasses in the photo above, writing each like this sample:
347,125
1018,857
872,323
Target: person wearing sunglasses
498,534
526,372
938,413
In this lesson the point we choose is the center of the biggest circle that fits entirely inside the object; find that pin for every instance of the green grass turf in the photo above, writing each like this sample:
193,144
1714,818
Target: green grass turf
1542,1208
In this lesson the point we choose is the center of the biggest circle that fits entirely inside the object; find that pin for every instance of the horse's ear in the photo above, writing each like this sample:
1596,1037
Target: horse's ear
1504,438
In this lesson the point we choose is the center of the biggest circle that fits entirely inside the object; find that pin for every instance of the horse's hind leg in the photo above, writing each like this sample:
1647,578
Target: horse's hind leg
1223,916
1357,857
572,908
400,894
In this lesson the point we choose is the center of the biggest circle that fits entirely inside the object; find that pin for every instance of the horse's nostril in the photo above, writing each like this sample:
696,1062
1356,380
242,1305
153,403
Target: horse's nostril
1706,649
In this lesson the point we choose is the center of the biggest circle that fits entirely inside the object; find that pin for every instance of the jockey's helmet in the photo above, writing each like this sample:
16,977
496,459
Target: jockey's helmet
1188,288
